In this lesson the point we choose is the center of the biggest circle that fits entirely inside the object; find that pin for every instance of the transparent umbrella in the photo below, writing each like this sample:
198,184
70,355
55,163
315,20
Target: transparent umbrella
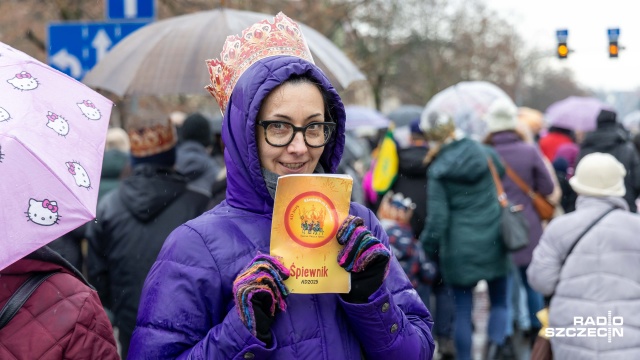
168,57
466,102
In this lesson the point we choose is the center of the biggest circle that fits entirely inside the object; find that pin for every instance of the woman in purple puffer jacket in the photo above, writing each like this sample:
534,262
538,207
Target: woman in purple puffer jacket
198,300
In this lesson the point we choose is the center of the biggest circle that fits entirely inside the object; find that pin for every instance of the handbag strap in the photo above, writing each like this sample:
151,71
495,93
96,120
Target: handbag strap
584,233
518,180
502,196
20,296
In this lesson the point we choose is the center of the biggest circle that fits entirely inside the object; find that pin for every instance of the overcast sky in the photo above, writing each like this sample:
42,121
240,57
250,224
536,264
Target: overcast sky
587,22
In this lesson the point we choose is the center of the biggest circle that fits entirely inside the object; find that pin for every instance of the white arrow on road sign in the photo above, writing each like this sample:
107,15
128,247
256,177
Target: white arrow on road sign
130,9
101,43
63,60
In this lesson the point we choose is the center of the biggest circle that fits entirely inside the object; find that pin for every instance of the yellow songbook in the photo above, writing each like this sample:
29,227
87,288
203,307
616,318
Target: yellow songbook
308,210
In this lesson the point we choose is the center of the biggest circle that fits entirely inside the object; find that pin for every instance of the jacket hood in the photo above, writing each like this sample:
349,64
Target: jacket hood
411,161
192,160
462,160
246,188
150,189
605,139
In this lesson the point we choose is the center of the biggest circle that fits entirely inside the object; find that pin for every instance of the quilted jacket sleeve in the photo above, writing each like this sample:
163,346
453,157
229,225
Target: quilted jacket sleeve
395,324
167,325
92,337
544,271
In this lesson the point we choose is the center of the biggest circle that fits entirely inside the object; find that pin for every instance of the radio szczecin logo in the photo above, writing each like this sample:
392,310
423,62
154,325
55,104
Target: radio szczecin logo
591,327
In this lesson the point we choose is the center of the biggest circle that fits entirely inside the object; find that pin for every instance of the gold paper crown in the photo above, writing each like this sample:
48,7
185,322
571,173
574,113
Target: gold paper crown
152,140
259,41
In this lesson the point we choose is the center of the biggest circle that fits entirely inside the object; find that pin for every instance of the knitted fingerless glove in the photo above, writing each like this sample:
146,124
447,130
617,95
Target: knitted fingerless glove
259,293
364,256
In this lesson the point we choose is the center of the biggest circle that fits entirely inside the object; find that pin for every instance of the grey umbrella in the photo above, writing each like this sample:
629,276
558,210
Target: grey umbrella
168,56
403,115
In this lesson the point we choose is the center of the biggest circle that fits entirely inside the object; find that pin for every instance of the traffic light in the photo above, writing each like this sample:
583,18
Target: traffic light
613,49
613,35
562,50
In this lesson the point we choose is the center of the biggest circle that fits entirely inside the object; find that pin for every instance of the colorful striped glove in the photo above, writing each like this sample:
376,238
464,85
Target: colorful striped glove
364,256
259,294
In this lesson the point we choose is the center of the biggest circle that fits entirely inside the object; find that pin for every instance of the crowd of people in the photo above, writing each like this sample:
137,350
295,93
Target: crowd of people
177,260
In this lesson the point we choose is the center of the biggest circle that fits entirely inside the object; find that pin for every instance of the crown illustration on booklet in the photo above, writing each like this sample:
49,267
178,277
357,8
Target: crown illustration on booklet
282,36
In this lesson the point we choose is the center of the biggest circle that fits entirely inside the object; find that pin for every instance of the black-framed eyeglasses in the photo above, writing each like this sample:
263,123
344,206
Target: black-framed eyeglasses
281,133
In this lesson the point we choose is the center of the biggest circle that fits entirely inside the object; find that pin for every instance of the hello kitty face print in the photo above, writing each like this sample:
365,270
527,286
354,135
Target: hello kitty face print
57,123
79,174
4,115
23,81
89,110
43,212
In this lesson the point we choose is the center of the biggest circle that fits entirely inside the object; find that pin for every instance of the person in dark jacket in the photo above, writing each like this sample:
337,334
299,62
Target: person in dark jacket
133,221
463,227
193,158
115,163
412,182
610,138
62,319
214,293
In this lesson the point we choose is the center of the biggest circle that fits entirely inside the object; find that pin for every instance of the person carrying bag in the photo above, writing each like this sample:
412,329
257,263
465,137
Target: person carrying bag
543,207
515,230
542,347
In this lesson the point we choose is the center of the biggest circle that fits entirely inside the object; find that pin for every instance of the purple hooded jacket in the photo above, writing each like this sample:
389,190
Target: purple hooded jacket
187,309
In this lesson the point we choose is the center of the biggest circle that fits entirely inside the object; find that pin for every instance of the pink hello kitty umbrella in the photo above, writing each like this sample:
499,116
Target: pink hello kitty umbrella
52,136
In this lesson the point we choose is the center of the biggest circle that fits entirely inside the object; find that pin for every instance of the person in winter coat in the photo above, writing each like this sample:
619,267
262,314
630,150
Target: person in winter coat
463,227
599,278
133,221
611,138
115,163
62,319
412,176
555,137
215,293
193,154
526,162
412,182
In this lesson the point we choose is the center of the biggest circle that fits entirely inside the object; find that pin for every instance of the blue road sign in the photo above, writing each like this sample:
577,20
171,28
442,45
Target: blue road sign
75,48
130,9
562,35
613,34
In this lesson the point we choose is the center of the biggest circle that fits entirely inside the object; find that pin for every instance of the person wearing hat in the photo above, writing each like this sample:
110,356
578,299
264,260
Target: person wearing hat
599,277
133,220
611,138
193,154
214,291
462,229
527,164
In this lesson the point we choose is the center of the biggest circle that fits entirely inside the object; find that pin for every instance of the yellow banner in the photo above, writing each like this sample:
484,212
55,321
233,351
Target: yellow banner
308,210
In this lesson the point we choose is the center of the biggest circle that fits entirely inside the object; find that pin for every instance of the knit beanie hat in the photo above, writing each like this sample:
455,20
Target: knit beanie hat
196,127
153,144
599,174
502,115
437,126
606,117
